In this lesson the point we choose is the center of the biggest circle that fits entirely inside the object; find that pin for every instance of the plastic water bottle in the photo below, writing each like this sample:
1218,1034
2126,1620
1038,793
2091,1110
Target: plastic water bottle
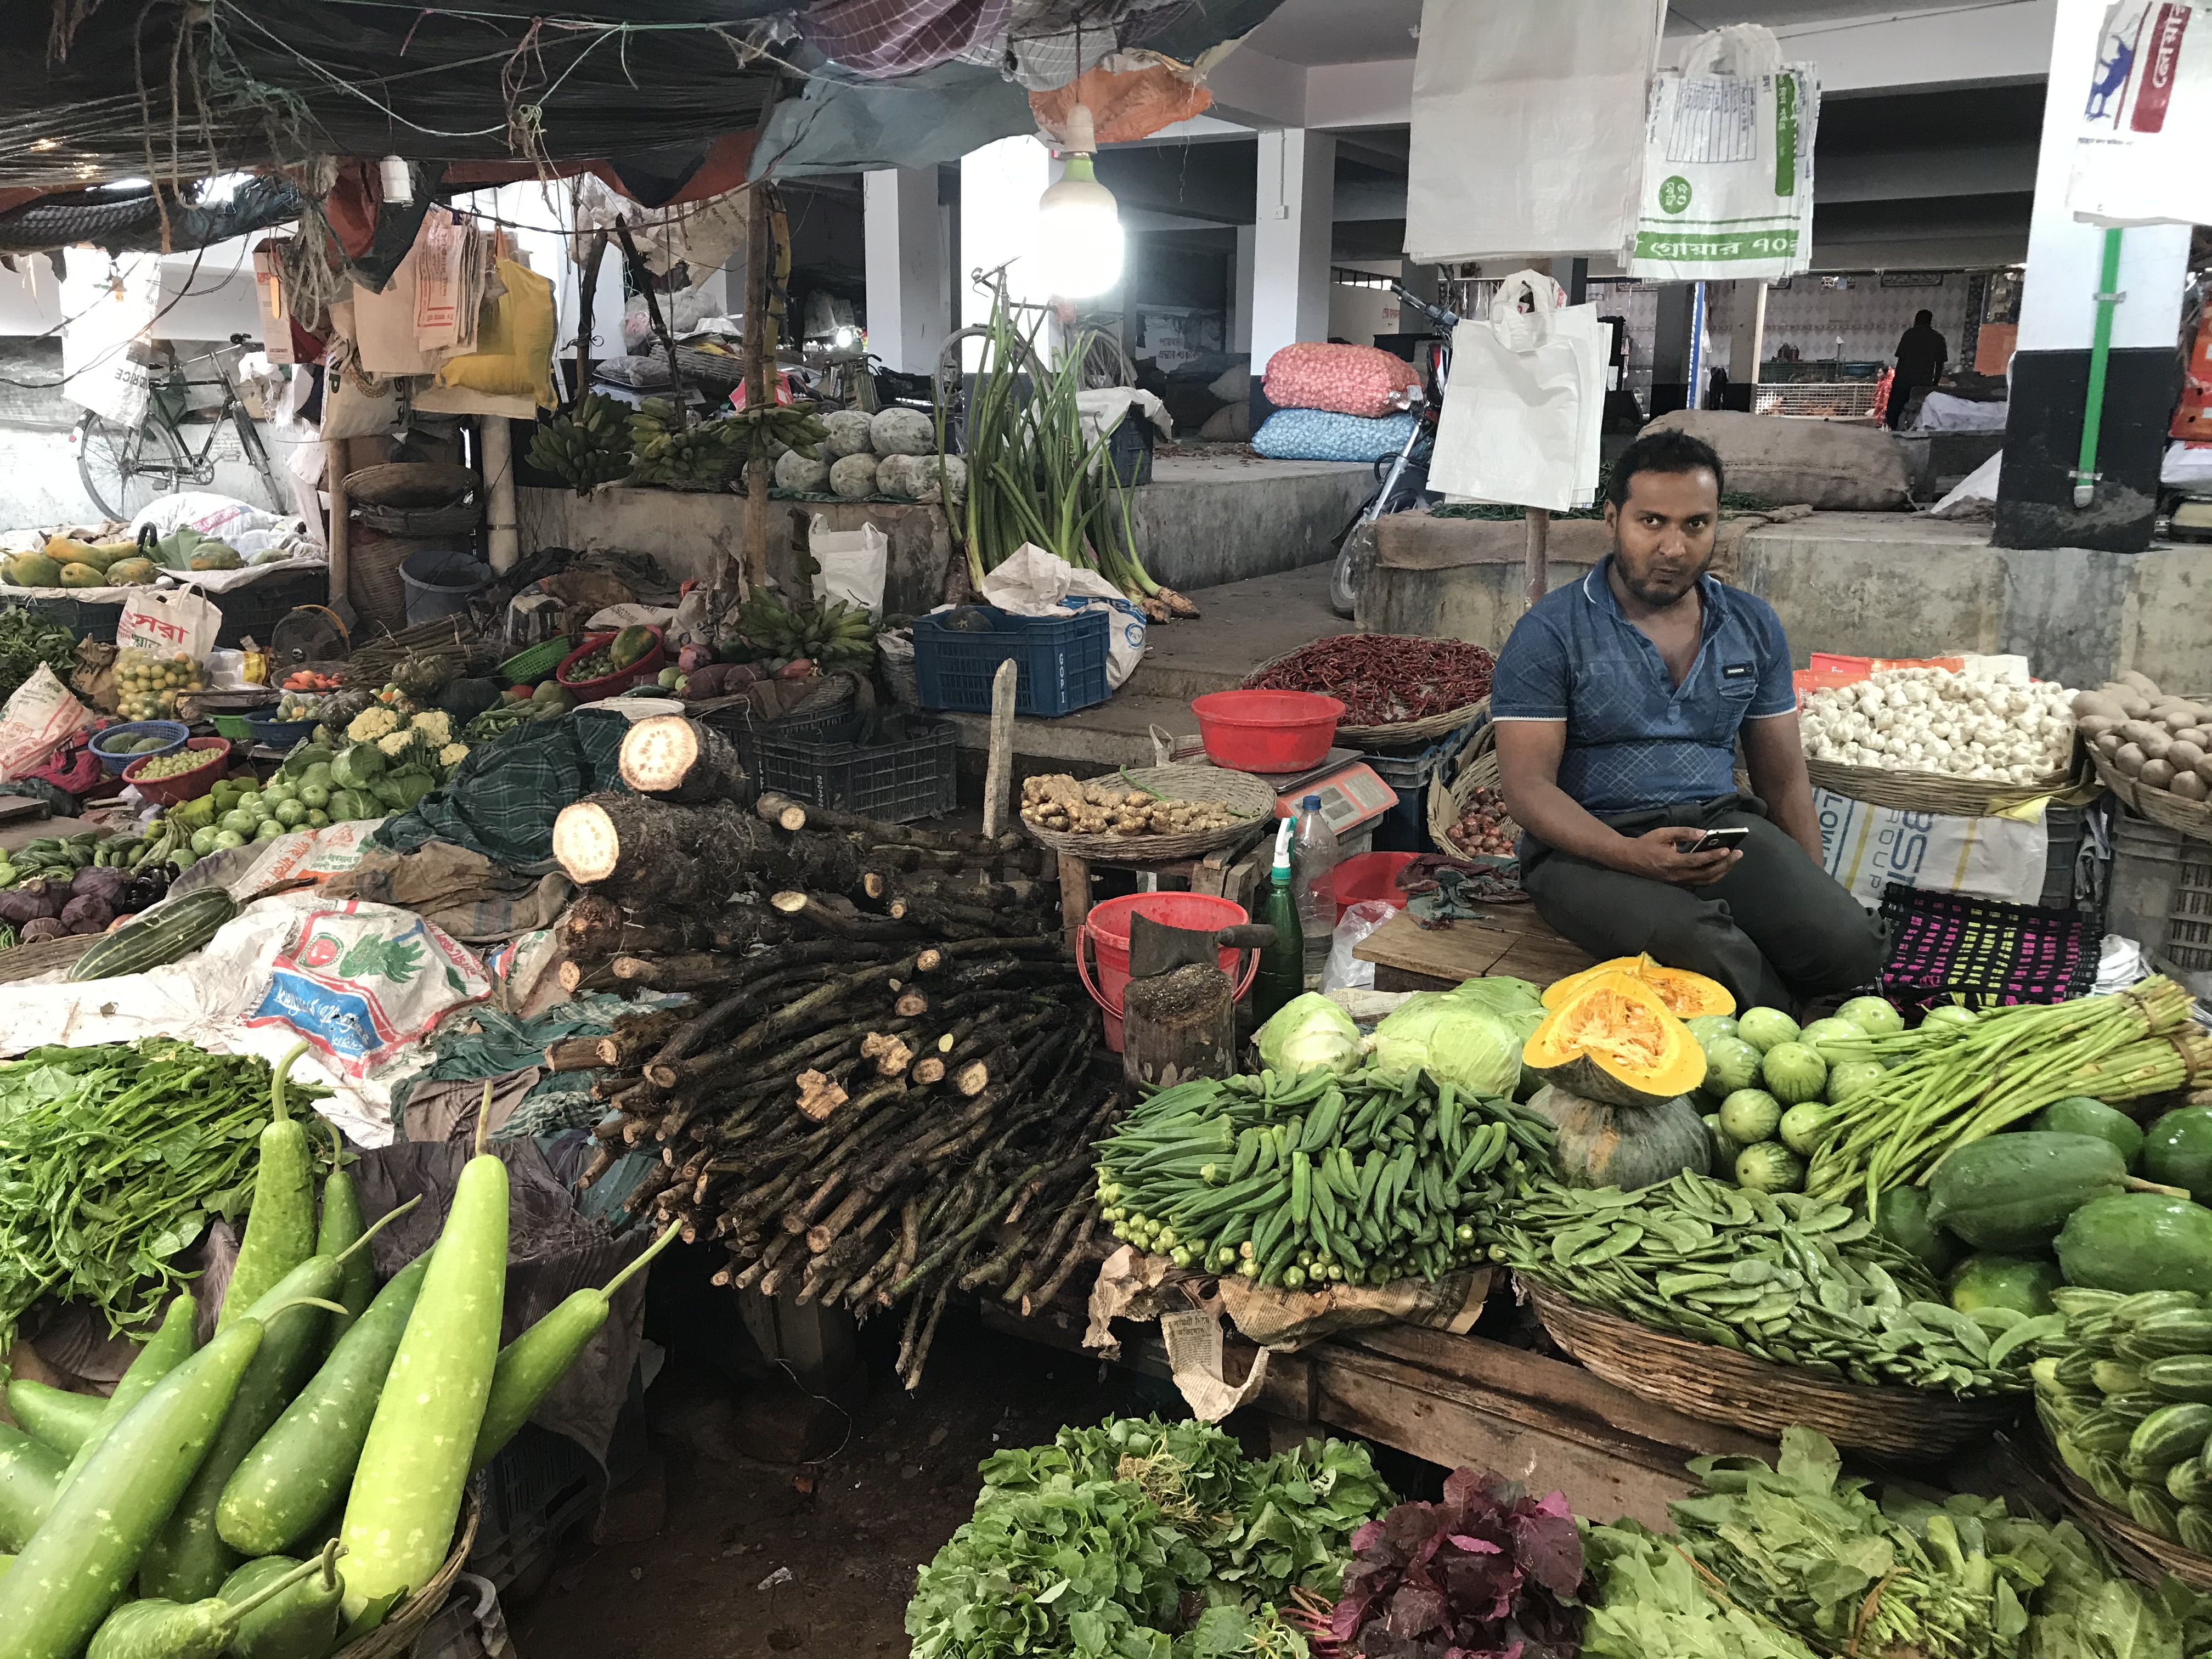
1312,872
1282,975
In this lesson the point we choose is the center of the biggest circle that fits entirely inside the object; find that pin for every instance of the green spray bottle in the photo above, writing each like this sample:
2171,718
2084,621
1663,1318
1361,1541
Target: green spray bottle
1282,974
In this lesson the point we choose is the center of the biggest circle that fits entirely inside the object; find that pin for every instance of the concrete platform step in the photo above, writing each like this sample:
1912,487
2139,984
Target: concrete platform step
1116,732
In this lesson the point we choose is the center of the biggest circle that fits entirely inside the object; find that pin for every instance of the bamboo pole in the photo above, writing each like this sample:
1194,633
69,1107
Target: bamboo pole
1539,522
760,357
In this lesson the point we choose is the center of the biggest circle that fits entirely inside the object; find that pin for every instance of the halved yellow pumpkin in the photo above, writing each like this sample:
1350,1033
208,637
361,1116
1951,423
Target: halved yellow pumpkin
1614,1040
1686,994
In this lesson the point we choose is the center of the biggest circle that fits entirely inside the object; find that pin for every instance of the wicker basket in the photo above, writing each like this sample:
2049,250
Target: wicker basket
1448,796
1432,725
1240,792
1930,791
2190,817
426,523
395,1638
372,585
2139,1549
409,485
1717,1385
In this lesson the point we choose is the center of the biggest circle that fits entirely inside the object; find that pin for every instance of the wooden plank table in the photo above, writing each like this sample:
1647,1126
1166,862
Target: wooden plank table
1511,939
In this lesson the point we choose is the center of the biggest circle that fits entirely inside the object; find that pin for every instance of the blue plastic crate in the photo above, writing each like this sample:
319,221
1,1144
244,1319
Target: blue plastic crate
1060,661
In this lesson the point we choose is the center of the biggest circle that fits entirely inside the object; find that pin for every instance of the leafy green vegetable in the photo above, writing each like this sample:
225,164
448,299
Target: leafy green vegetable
27,638
113,1161
1308,1033
1650,1605
1458,1039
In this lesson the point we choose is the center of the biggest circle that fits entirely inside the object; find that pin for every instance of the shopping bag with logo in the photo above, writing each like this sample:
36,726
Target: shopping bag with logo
166,621
1727,163
2139,149
1520,417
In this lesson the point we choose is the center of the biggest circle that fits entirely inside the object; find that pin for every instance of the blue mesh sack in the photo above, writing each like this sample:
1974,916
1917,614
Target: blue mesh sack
1318,434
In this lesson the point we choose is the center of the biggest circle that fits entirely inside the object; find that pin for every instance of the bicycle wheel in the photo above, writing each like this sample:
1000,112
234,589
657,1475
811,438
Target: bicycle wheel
125,467
257,455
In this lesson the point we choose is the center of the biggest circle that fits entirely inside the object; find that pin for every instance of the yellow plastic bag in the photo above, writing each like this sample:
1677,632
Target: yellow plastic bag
514,342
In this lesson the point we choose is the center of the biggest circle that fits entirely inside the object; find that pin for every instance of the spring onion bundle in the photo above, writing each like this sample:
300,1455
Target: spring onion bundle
1949,1083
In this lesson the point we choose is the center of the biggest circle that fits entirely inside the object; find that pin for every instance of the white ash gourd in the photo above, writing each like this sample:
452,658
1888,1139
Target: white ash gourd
804,475
2157,738
848,434
900,477
902,432
854,477
1930,720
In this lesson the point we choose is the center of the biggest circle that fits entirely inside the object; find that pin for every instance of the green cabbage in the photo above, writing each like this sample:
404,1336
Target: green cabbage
1308,1033
1457,1039
1516,1002
357,767
348,804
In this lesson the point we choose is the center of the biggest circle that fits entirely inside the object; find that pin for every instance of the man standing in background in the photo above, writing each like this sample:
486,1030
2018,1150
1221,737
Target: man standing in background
1921,355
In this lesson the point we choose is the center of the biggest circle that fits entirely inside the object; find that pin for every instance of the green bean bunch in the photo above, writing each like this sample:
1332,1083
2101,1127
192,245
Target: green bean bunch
1952,1082
1793,1281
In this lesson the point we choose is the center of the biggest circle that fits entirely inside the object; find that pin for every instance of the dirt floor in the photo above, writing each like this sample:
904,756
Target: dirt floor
751,1557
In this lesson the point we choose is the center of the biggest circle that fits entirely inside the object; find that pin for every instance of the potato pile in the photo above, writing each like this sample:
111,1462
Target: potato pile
2149,735
1105,807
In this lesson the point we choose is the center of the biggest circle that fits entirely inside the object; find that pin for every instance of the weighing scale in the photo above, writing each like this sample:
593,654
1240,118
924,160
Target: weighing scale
1352,795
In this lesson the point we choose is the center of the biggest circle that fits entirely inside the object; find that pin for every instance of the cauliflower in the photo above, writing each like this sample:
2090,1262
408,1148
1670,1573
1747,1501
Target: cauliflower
396,743
435,726
452,754
372,723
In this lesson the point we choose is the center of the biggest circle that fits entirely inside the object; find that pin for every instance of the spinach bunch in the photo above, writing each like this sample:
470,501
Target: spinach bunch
27,638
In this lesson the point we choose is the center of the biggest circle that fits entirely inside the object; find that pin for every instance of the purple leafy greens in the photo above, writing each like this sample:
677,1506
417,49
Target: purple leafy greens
1489,1573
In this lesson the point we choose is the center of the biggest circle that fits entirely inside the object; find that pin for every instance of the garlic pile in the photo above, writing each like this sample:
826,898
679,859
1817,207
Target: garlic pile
1929,720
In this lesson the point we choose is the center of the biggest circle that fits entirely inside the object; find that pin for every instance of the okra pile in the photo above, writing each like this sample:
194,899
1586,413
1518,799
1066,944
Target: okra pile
1794,1280
1359,1178
2124,1389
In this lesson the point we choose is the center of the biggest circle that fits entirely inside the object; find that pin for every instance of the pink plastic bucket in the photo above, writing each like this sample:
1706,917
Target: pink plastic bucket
1107,931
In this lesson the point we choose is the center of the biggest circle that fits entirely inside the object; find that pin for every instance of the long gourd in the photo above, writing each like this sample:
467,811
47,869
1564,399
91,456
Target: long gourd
300,1467
336,1233
169,1346
30,1475
54,1417
159,1629
407,1495
300,1621
530,1366
74,1569
280,1228
173,929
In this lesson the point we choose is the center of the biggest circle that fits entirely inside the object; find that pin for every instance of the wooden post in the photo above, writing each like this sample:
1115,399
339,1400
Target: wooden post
999,774
1074,897
334,471
1539,535
502,545
760,378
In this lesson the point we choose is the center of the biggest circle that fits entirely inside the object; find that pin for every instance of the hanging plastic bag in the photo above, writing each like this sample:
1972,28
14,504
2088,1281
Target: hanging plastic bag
1522,411
1727,163
1031,582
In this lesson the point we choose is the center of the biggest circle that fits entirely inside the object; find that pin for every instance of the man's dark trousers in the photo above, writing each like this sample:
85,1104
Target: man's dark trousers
1777,930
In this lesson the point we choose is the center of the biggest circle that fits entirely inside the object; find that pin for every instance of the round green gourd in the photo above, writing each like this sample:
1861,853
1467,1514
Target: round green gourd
2134,1242
1750,1115
1834,1028
2012,1192
1762,1028
1792,1071
2078,1114
1731,1064
1873,1015
1853,1077
1770,1167
1706,1027
1625,1146
2023,1284
2177,1150
1804,1127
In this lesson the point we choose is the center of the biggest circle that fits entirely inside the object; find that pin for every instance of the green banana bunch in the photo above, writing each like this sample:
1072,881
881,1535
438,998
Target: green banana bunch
792,425
585,446
837,635
695,454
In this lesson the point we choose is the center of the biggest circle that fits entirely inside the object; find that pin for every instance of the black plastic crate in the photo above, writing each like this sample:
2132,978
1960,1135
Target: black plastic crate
743,725
255,609
893,768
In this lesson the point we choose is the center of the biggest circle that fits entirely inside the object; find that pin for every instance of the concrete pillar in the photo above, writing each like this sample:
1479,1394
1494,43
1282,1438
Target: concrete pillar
2050,369
1747,331
1295,206
1670,348
910,312
1240,303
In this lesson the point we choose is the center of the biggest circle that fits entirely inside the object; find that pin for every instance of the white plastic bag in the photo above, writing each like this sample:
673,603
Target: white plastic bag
1343,971
1032,582
225,518
168,620
1727,163
1523,406
39,716
852,563
2141,139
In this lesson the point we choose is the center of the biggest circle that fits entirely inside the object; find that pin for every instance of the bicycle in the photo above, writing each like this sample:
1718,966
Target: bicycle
1406,484
127,467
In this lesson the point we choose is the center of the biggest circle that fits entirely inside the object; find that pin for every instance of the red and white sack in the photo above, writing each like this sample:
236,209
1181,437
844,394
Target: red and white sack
1345,380
39,717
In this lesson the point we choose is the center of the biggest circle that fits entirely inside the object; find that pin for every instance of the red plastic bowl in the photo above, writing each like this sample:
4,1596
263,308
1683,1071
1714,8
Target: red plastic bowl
645,668
182,787
1366,877
1266,731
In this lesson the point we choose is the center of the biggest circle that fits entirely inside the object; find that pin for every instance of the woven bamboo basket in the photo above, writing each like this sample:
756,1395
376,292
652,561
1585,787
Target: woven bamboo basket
2141,1551
1930,792
1433,726
1448,798
1240,792
395,1638
2192,817
424,522
409,485
1718,1385
372,585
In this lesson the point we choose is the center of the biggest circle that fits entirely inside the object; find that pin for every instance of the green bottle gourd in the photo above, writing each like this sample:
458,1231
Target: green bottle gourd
300,1621
159,1629
30,1478
340,1226
280,1228
170,1346
54,1417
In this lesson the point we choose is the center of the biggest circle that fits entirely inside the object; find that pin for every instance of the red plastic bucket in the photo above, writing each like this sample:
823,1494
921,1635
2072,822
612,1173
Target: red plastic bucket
1107,929
1366,876
1266,731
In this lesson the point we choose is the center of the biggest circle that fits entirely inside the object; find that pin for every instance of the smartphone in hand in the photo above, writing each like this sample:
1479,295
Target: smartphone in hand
1719,840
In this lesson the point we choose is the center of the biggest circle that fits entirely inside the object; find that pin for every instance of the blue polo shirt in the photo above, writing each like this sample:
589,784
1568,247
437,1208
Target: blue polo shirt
1635,739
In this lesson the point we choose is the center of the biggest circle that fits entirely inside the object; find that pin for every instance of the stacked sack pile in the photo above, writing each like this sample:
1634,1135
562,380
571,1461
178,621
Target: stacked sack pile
1337,402
892,454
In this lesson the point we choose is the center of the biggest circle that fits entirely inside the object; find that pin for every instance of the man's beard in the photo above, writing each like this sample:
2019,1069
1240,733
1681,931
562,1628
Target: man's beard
1646,594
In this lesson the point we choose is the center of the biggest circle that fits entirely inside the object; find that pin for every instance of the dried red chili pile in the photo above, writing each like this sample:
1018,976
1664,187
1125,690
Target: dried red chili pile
1384,679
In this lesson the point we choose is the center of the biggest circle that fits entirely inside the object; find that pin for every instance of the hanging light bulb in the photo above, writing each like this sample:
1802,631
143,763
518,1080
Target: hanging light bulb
399,183
1078,231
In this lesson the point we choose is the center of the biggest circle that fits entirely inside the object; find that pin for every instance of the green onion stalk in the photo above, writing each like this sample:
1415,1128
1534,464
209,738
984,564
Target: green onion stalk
1948,1084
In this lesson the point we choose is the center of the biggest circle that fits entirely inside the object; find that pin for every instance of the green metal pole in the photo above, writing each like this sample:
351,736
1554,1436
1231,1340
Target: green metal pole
2100,351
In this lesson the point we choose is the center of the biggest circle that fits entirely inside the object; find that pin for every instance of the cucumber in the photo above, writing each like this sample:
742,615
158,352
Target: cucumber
2171,1434
159,1629
280,1228
169,1346
30,1475
188,1559
340,1226
302,1466
75,1567
529,1366
300,1621
54,1416
2181,1376
407,1494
